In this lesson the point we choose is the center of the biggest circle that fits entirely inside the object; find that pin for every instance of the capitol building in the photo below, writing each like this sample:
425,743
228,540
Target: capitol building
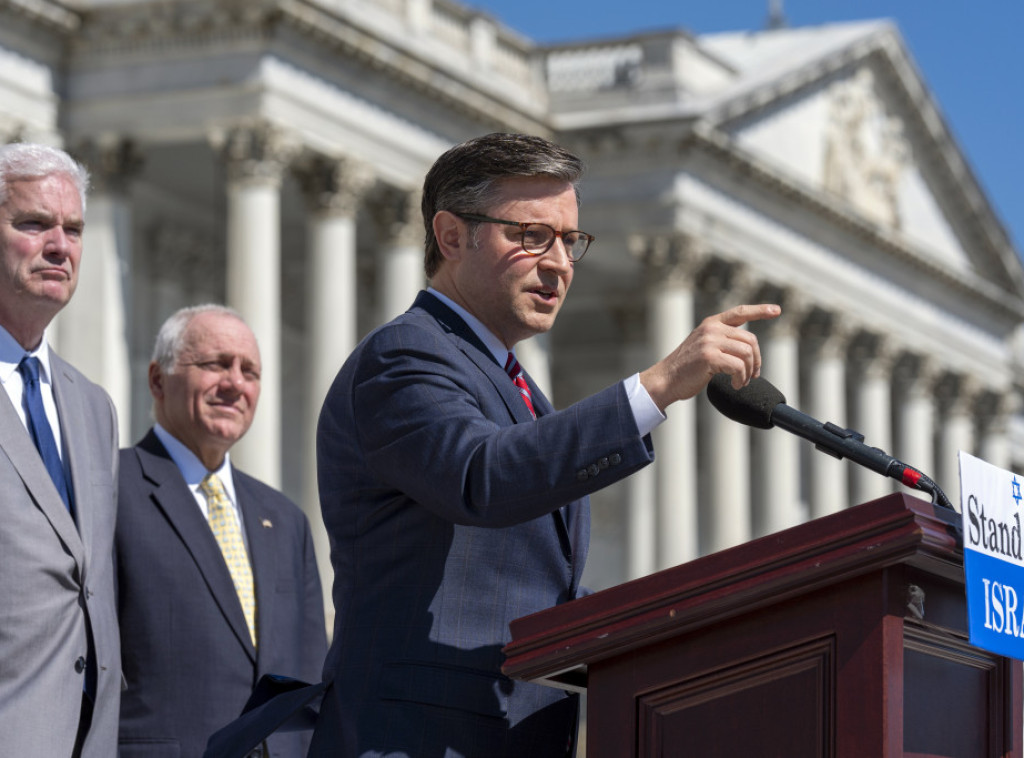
269,154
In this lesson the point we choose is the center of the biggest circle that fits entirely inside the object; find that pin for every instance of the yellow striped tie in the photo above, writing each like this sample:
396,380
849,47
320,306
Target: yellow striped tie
229,537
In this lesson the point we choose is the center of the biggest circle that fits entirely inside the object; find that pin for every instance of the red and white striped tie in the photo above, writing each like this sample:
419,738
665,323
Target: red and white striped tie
515,372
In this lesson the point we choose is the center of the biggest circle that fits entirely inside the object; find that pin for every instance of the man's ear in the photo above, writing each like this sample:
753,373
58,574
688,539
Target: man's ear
451,234
156,380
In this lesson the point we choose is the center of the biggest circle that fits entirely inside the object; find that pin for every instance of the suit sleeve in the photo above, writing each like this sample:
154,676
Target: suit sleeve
314,645
432,425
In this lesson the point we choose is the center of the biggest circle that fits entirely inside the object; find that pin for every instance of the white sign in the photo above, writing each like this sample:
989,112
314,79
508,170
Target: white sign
991,502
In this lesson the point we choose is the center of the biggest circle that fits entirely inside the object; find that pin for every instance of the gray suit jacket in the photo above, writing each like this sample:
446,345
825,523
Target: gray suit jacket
56,580
451,512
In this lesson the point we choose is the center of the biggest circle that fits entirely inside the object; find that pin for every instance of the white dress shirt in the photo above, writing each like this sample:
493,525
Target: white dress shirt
11,354
193,471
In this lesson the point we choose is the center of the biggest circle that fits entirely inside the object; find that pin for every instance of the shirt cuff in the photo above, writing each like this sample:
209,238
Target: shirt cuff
645,412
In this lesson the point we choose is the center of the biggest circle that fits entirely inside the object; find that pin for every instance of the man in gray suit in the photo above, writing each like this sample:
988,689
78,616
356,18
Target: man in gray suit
60,667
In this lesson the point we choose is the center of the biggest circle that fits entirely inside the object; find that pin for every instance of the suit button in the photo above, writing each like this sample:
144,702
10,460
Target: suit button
615,459
581,475
593,470
80,665
603,463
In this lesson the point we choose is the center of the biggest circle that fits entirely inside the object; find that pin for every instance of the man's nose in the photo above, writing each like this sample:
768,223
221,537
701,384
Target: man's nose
233,376
58,242
557,257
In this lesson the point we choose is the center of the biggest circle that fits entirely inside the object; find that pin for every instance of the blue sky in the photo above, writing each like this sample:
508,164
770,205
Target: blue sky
970,55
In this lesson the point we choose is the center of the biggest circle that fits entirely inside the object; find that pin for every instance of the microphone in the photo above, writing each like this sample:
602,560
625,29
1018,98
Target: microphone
761,405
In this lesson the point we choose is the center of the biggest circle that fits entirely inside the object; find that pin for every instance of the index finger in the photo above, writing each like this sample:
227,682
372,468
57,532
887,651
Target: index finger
741,314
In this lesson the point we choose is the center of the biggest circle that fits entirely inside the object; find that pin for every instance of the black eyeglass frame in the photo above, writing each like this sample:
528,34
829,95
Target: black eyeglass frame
523,229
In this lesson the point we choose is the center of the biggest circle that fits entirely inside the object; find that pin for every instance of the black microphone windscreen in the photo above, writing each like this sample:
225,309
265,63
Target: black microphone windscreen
751,405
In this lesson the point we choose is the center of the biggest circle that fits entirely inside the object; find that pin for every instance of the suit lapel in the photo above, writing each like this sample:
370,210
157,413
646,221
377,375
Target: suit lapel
179,507
77,445
477,352
17,445
260,533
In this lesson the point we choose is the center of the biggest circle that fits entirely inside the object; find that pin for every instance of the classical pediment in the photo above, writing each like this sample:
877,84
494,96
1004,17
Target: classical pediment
849,120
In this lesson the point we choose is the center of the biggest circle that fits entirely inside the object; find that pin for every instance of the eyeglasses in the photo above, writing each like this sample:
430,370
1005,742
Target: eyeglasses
537,238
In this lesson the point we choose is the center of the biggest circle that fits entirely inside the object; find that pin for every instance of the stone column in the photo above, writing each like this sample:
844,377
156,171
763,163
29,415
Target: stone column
333,189
956,394
400,273
670,261
872,393
826,341
776,451
914,436
994,410
725,508
183,266
256,157
93,332
641,516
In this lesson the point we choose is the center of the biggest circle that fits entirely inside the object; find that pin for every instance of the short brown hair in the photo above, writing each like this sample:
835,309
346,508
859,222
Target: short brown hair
467,177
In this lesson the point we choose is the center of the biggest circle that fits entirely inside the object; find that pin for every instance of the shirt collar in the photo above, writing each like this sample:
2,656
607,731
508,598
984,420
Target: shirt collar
191,468
11,354
494,345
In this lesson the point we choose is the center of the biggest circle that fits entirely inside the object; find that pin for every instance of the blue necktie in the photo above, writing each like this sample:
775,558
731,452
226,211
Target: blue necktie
39,427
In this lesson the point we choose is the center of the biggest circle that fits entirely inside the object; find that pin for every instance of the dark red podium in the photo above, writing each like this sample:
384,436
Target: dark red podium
845,637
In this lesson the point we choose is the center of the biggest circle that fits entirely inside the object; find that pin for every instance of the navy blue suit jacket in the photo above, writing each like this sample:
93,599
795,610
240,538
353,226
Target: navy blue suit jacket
188,660
451,512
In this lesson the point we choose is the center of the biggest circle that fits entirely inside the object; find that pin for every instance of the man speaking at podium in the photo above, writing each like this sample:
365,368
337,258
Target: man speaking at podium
454,493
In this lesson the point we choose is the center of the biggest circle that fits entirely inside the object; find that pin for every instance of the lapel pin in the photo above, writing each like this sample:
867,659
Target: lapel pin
267,524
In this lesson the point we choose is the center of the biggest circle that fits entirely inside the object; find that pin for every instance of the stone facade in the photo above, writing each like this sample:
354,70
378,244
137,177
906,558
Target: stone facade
269,153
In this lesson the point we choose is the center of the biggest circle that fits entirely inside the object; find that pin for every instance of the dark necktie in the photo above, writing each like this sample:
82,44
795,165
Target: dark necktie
39,427
515,372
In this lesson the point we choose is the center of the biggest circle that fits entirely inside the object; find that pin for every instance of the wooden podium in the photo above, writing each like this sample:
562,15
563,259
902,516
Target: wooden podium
844,637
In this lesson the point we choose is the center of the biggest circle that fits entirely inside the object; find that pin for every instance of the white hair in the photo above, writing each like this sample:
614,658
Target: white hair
21,161
171,338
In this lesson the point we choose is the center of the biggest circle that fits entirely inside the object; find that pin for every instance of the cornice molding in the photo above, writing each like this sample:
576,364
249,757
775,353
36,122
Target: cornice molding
187,24
454,91
181,24
53,15
718,145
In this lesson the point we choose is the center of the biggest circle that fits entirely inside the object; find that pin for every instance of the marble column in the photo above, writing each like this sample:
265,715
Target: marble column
914,436
333,189
776,451
725,506
825,344
183,266
956,394
641,516
93,331
400,273
670,261
256,157
994,410
872,358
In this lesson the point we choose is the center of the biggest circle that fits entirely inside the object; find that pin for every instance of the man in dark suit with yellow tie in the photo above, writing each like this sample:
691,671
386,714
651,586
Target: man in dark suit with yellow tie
60,670
217,581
